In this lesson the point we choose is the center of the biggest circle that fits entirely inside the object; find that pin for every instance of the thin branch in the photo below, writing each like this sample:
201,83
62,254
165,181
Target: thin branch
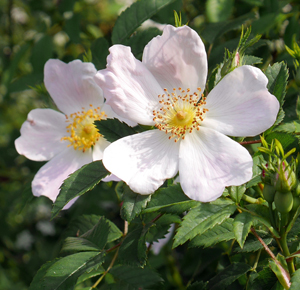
250,142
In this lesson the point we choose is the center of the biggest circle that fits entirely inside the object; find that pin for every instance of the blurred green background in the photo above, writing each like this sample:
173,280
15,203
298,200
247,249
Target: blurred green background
31,32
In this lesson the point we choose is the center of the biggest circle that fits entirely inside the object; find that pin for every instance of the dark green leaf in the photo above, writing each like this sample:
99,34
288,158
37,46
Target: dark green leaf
203,217
277,75
219,233
135,276
288,141
90,274
139,40
113,129
198,286
170,199
133,203
41,52
63,274
134,16
78,183
78,244
99,49
228,276
265,279
241,227
133,249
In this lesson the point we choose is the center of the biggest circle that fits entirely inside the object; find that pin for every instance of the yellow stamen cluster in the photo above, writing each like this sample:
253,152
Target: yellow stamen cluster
180,113
83,134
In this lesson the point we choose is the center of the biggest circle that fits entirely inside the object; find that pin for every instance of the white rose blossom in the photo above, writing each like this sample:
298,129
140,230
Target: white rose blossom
165,90
69,139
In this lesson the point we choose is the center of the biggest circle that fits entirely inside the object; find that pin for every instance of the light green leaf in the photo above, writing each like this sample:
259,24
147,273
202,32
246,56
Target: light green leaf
134,16
236,192
170,199
203,217
78,183
228,276
219,233
295,281
114,129
133,203
288,141
241,227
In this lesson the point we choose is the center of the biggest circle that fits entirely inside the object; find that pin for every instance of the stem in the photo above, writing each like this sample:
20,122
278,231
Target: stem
115,256
271,214
250,199
284,273
250,142
256,260
286,252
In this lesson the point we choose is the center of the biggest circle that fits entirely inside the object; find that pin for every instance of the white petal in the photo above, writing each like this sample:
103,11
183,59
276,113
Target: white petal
99,147
50,177
209,161
240,105
144,161
41,135
72,85
111,177
128,86
177,58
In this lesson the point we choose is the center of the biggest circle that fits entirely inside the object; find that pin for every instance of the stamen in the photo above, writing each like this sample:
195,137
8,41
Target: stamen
180,113
83,134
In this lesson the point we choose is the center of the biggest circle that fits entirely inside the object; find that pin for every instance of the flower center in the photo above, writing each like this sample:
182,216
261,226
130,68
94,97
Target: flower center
83,134
180,113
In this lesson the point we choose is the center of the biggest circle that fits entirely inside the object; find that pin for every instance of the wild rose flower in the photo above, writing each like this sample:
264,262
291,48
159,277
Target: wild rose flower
68,139
165,90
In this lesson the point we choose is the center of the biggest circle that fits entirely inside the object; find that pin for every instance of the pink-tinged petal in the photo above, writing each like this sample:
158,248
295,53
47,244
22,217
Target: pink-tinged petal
111,114
144,161
209,161
50,177
177,59
128,86
41,135
240,105
72,85
99,147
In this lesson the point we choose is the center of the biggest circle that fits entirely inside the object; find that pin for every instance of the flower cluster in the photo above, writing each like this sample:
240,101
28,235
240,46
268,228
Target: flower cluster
165,91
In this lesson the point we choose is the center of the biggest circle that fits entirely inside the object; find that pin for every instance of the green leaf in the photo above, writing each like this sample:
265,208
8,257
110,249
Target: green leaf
98,234
241,227
139,40
252,244
78,244
251,60
228,276
87,275
295,281
219,233
288,141
198,286
203,217
63,274
265,279
114,129
218,10
41,52
134,16
135,276
170,199
99,49
133,249
78,183
277,75
236,192
36,283
133,203
280,272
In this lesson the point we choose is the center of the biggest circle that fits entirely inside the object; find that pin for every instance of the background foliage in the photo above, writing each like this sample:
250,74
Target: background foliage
31,32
